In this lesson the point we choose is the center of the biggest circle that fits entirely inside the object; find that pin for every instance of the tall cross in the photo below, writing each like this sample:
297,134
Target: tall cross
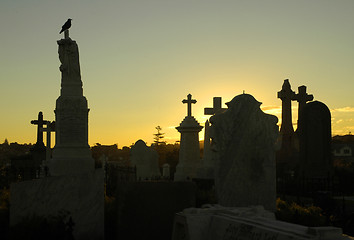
40,122
286,95
216,107
189,102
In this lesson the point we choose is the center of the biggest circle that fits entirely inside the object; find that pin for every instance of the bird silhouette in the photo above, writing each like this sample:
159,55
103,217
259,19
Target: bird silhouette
66,25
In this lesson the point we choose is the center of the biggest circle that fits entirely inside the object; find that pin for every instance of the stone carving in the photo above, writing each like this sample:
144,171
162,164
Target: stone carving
243,141
69,58
146,161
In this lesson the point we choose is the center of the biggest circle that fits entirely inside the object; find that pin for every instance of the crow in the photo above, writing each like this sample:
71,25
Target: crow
66,25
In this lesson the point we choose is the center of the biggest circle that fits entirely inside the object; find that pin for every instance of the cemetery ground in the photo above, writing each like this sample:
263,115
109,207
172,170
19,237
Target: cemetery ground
137,210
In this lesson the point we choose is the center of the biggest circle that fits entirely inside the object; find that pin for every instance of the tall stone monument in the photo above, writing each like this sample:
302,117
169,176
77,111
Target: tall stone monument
74,186
243,144
286,130
189,153
286,157
71,154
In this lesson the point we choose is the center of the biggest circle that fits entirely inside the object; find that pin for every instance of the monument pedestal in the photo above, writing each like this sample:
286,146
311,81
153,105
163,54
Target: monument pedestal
189,153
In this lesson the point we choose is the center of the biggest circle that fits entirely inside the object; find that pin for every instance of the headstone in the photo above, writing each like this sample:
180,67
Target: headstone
146,161
220,223
166,171
243,141
189,153
75,186
206,170
315,141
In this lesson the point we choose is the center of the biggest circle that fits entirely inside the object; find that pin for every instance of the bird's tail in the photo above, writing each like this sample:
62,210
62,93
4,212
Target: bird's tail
61,31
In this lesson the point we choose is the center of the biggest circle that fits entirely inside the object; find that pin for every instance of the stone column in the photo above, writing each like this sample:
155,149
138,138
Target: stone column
189,153
71,153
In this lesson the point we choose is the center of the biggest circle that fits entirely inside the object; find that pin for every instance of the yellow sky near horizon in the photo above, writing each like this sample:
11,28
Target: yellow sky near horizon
139,59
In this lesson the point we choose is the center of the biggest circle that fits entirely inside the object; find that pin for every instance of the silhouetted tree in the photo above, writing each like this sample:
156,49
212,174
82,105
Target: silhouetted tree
159,136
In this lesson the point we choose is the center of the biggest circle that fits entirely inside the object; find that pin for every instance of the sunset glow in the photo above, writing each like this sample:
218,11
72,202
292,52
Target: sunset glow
140,59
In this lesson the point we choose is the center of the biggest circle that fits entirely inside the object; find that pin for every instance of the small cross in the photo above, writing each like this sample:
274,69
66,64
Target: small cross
216,107
189,102
40,122
302,97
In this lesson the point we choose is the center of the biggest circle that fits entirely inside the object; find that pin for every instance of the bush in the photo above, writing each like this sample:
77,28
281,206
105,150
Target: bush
308,216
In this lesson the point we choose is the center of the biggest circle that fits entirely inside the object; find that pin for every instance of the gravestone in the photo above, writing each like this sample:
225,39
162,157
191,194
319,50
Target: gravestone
315,141
243,144
146,161
166,171
189,152
74,187
248,223
206,170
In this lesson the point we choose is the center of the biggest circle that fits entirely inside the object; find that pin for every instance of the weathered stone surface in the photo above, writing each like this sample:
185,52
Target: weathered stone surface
220,223
82,196
243,141
145,159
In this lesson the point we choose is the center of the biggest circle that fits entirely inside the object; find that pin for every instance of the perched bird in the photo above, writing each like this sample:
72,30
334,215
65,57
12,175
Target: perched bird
66,25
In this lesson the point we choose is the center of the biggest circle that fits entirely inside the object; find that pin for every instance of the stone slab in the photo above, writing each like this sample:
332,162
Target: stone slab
253,223
82,196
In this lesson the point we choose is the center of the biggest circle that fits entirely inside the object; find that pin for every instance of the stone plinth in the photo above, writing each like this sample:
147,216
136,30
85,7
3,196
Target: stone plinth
189,153
82,197
220,223
71,154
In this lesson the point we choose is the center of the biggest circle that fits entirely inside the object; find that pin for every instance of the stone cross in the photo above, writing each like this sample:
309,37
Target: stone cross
189,102
302,97
216,107
50,128
286,95
40,122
